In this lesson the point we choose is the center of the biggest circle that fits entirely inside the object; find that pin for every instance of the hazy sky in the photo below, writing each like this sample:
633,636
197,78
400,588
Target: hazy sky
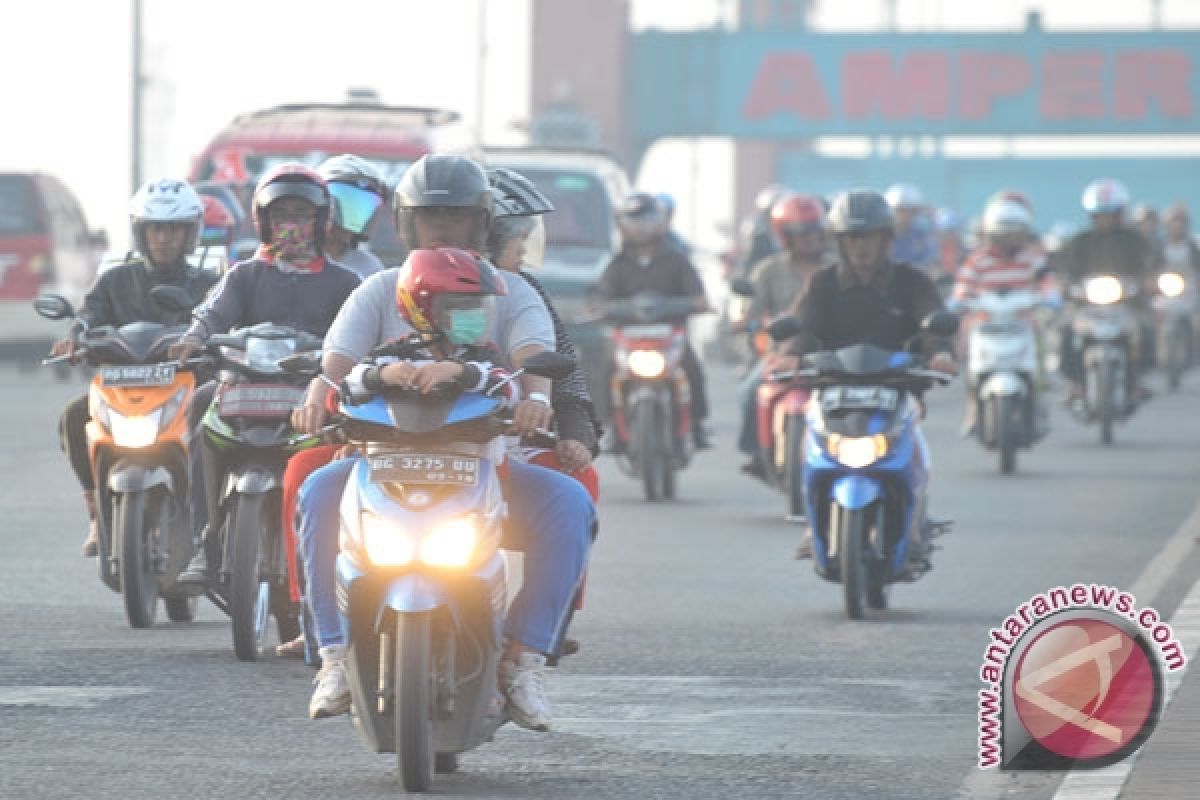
66,67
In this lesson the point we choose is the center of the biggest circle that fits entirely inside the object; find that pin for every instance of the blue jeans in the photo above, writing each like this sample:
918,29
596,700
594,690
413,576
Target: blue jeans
550,520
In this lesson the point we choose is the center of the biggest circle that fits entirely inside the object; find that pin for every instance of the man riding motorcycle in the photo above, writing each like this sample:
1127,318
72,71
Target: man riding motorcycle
866,298
647,264
799,222
358,192
913,242
165,218
289,281
1109,247
446,201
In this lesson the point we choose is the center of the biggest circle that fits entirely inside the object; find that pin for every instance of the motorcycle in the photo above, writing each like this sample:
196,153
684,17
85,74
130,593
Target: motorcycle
248,424
865,466
421,584
137,441
1174,305
1105,329
1002,373
651,400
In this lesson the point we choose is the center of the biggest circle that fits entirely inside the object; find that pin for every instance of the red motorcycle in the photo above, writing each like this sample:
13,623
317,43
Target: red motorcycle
780,411
651,399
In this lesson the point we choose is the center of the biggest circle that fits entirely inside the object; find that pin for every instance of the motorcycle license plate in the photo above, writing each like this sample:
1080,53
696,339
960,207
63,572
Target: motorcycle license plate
439,470
138,375
254,400
859,398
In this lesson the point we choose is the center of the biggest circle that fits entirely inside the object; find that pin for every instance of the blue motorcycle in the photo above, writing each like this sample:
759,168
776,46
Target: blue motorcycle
421,583
865,465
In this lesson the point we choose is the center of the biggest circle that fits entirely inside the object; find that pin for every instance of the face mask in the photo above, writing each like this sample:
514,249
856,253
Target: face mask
294,241
467,325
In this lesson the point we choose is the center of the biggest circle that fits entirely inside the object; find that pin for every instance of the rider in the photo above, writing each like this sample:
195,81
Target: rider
1109,247
912,242
799,222
165,217
866,298
1145,219
671,236
1010,258
445,201
358,192
757,239
288,282
646,264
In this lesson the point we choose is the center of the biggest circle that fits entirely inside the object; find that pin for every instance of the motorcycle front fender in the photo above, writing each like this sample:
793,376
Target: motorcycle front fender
856,492
411,594
126,477
252,480
795,401
1002,384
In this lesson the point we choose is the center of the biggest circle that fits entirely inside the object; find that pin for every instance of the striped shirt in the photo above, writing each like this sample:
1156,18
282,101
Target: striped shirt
987,269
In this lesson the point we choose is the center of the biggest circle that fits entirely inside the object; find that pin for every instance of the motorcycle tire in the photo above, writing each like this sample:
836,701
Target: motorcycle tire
852,531
414,701
667,463
1106,410
793,469
247,597
139,583
1176,358
647,449
1008,426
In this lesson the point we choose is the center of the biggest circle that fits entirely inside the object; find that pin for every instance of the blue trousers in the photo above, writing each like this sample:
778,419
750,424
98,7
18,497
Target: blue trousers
550,520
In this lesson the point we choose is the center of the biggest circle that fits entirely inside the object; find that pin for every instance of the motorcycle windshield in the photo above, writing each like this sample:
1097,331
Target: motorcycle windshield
416,413
135,343
860,360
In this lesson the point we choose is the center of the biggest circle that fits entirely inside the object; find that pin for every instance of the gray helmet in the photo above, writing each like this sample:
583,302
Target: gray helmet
516,195
860,211
443,181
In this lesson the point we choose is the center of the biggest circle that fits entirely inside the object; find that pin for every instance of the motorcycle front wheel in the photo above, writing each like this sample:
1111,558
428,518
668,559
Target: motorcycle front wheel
249,595
852,530
140,521
414,702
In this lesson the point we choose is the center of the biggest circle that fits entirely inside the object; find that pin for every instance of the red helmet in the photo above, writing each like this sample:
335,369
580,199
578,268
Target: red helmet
292,179
797,213
432,280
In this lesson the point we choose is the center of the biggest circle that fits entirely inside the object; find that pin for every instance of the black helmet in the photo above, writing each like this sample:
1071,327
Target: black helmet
442,181
860,211
516,195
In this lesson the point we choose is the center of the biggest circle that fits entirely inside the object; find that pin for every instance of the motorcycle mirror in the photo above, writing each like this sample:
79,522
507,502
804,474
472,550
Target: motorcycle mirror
172,298
785,328
53,306
940,323
549,365
742,287
300,364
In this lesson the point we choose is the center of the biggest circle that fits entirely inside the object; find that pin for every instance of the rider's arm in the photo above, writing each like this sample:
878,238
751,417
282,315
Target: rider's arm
225,305
98,306
926,300
693,286
357,328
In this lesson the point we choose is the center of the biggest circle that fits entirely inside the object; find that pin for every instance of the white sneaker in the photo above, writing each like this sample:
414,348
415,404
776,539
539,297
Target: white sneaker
332,695
524,684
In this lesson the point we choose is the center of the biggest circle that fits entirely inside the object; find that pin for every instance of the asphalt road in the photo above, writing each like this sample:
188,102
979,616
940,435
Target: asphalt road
714,665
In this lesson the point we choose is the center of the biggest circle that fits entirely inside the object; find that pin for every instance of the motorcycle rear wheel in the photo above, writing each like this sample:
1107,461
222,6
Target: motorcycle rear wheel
413,704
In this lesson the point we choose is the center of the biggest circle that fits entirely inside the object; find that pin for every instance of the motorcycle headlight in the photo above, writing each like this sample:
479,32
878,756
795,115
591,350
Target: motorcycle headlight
647,363
386,544
857,452
1171,284
134,431
451,544
1102,290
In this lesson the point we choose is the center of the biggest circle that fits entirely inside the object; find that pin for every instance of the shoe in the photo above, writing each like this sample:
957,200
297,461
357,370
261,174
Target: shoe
332,695
91,545
754,469
524,685
804,550
196,572
292,649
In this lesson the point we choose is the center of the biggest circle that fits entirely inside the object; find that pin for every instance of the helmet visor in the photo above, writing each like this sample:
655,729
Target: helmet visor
355,207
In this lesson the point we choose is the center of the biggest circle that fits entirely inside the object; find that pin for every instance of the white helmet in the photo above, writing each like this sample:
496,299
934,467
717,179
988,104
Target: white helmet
1105,196
1006,216
904,195
165,200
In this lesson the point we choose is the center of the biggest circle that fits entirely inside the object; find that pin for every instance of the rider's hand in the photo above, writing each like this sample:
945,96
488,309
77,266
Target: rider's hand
63,347
401,374
429,376
532,415
573,455
184,348
782,362
308,418
944,362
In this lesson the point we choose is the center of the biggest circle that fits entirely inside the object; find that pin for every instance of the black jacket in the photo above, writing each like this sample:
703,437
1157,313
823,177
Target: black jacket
121,295
1122,251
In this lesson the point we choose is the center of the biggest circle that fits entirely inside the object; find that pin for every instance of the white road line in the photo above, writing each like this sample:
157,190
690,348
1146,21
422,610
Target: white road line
988,784
65,696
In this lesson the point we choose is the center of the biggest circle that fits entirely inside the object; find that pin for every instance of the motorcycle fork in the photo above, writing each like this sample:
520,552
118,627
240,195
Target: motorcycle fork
444,669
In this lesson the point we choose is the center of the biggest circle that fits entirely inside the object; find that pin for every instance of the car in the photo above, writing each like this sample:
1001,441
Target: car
390,137
45,246
586,187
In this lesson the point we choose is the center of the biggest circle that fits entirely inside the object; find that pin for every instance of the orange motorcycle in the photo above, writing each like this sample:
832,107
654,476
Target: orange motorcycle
138,445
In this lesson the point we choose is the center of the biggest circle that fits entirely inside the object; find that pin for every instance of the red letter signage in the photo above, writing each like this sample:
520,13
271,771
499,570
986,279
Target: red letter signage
985,78
1160,75
787,83
919,88
1072,86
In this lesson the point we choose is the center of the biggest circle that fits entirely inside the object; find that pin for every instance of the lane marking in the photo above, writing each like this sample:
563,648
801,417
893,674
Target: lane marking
65,696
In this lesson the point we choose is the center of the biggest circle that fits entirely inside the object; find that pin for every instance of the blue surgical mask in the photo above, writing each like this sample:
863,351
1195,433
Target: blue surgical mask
467,325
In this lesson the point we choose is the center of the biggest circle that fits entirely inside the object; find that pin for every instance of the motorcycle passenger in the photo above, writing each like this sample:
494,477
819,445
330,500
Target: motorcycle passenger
912,242
799,222
1145,220
1010,259
646,264
1109,247
951,249
446,201
1180,251
289,281
165,218
867,298
358,192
